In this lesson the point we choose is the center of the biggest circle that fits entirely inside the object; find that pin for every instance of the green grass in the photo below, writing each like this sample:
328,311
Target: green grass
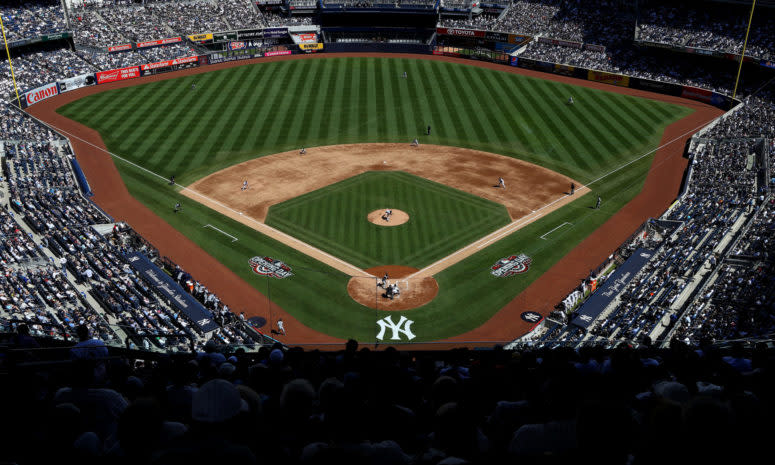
241,113
442,219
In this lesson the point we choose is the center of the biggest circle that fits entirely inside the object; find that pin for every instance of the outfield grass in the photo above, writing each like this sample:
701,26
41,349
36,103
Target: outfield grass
240,113
441,219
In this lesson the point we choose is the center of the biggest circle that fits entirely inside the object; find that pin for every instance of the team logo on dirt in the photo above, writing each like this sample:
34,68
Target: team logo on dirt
509,266
531,317
267,266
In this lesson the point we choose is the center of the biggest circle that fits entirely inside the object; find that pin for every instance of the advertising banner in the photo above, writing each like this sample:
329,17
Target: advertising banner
608,78
237,45
514,61
595,48
119,48
517,39
222,58
131,72
166,63
497,36
614,285
175,294
224,36
250,34
656,86
200,37
66,85
307,37
565,70
563,43
277,53
156,43
459,32
275,32
317,46
41,93
695,93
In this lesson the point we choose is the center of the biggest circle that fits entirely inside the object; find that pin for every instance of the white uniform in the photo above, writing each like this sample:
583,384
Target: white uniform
281,326
244,185
502,183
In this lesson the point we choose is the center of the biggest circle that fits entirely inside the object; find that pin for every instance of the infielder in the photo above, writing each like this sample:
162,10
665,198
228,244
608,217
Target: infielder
302,151
501,183
572,188
245,185
415,142
281,326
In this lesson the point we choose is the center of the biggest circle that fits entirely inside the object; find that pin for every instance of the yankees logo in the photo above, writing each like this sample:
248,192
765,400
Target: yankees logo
387,322
531,317
267,266
509,266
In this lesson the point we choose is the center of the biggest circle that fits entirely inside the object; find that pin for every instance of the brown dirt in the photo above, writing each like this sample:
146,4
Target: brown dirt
660,189
538,192
397,217
473,171
415,292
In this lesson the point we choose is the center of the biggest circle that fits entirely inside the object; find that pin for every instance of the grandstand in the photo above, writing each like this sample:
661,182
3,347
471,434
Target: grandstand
678,353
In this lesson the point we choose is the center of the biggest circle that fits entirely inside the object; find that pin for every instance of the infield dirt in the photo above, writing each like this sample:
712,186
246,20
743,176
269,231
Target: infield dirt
660,189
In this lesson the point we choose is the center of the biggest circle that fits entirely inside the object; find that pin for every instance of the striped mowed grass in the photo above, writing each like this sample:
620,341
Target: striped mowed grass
441,219
237,114
241,113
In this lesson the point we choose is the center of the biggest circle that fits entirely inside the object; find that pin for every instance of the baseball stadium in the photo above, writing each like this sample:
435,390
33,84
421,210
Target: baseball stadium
229,214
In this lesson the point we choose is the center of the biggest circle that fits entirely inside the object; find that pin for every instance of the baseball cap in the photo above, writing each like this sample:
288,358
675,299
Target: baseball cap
217,401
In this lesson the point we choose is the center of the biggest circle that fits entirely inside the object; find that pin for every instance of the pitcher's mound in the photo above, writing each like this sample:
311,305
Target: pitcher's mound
398,217
415,292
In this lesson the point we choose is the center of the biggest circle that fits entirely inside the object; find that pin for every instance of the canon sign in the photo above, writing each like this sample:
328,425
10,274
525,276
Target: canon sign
41,93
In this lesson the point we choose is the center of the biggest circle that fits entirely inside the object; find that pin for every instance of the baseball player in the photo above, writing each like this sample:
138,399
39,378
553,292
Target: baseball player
415,142
570,100
597,205
172,180
501,183
404,74
388,214
177,207
281,326
429,130
245,185
193,86
302,151
383,282
572,188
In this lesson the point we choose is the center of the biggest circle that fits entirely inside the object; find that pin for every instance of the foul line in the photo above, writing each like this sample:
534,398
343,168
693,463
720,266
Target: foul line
508,229
233,239
555,229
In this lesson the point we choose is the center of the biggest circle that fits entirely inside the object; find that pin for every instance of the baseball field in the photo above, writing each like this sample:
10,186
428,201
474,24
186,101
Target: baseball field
356,118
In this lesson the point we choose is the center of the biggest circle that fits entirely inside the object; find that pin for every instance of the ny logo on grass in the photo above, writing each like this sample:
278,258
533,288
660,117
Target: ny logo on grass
387,322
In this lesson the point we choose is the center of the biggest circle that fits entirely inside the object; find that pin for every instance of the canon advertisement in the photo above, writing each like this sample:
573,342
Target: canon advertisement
41,93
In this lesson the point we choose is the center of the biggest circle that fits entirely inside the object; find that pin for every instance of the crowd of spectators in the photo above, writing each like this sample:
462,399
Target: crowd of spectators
28,19
43,194
359,406
116,24
710,29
